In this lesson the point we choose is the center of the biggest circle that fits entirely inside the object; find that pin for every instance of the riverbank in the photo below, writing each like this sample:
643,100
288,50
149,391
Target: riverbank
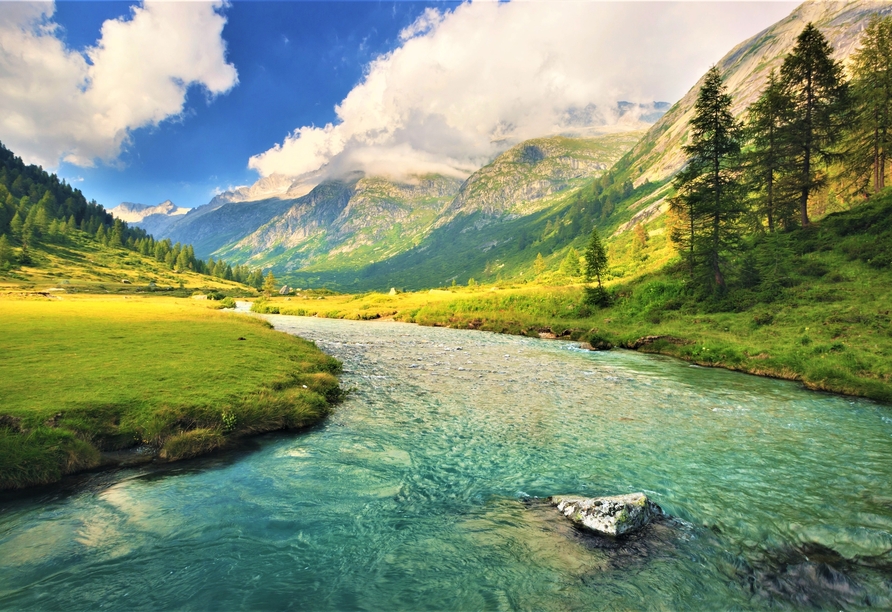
83,378
831,336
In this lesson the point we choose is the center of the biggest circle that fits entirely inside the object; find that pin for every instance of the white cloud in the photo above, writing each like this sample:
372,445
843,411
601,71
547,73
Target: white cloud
57,103
467,83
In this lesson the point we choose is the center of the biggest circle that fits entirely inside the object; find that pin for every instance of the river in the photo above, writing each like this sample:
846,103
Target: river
416,494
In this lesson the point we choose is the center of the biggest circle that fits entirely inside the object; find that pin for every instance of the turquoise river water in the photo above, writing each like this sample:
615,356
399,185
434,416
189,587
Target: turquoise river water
419,493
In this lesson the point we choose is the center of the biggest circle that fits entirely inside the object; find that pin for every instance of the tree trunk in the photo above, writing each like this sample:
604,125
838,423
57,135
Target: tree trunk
803,196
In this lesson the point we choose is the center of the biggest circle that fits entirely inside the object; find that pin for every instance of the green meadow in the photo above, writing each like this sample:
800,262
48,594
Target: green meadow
86,376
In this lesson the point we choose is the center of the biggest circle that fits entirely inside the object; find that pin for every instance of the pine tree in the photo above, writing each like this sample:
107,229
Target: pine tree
16,225
570,264
182,263
814,84
255,279
539,265
595,259
6,257
869,141
269,285
595,268
640,237
708,187
769,153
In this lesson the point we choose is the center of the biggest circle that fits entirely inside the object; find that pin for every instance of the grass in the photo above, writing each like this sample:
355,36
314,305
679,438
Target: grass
84,374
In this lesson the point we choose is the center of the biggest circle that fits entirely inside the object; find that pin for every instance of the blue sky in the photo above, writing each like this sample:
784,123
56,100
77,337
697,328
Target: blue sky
291,87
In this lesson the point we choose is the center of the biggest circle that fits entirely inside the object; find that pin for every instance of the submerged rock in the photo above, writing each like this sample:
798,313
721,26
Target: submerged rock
614,516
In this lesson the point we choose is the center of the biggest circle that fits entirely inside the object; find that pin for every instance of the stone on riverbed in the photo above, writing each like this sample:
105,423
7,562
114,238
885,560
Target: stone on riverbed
614,516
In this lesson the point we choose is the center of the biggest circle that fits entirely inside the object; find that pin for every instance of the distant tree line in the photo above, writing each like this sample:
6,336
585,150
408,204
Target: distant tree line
757,175
36,207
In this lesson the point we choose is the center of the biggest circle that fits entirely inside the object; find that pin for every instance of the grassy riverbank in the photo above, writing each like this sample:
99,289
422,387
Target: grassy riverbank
81,376
816,308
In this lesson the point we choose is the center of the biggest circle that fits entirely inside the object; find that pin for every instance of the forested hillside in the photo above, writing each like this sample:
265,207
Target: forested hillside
43,220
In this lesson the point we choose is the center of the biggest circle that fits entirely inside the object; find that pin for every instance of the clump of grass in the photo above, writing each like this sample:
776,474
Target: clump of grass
192,443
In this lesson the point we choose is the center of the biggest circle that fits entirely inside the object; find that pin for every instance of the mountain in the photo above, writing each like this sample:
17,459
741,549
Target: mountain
273,186
516,182
54,240
350,222
358,220
154,219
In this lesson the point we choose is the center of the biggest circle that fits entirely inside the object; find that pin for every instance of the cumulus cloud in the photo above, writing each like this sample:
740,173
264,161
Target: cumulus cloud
467,83
62,104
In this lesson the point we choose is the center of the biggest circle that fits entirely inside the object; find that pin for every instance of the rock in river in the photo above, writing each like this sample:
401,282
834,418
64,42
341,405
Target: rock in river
614,516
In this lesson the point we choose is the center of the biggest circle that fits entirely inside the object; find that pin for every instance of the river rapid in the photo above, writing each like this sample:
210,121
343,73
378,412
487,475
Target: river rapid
419,493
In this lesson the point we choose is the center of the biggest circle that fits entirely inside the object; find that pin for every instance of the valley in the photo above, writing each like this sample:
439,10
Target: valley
484,276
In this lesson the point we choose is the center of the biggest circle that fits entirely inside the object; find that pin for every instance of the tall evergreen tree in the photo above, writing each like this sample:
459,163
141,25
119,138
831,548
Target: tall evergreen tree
870,136
269,285
570,264
595,268
595,259
769,153
708,194
539,265
813,81
6,256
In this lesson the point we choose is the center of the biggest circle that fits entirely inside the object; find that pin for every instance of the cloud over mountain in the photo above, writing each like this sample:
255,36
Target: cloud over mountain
467,83
62,104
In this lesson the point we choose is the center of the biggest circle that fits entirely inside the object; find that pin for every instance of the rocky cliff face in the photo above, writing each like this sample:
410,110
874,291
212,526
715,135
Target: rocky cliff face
517,181
156,220
340,218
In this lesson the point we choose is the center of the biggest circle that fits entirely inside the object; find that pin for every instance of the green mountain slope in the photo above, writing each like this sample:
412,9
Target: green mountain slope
345,229
52,238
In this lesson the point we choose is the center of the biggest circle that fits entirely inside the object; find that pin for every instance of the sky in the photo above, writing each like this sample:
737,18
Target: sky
156,100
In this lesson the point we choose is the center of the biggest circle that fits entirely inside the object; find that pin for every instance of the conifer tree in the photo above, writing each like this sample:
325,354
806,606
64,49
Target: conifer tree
269,285
870,137
769,153
6,258
595,268
539,265
640,237
16,225
595,259
708,194
570,264
813,81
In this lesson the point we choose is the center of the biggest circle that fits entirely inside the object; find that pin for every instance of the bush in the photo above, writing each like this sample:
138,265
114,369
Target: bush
596,296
